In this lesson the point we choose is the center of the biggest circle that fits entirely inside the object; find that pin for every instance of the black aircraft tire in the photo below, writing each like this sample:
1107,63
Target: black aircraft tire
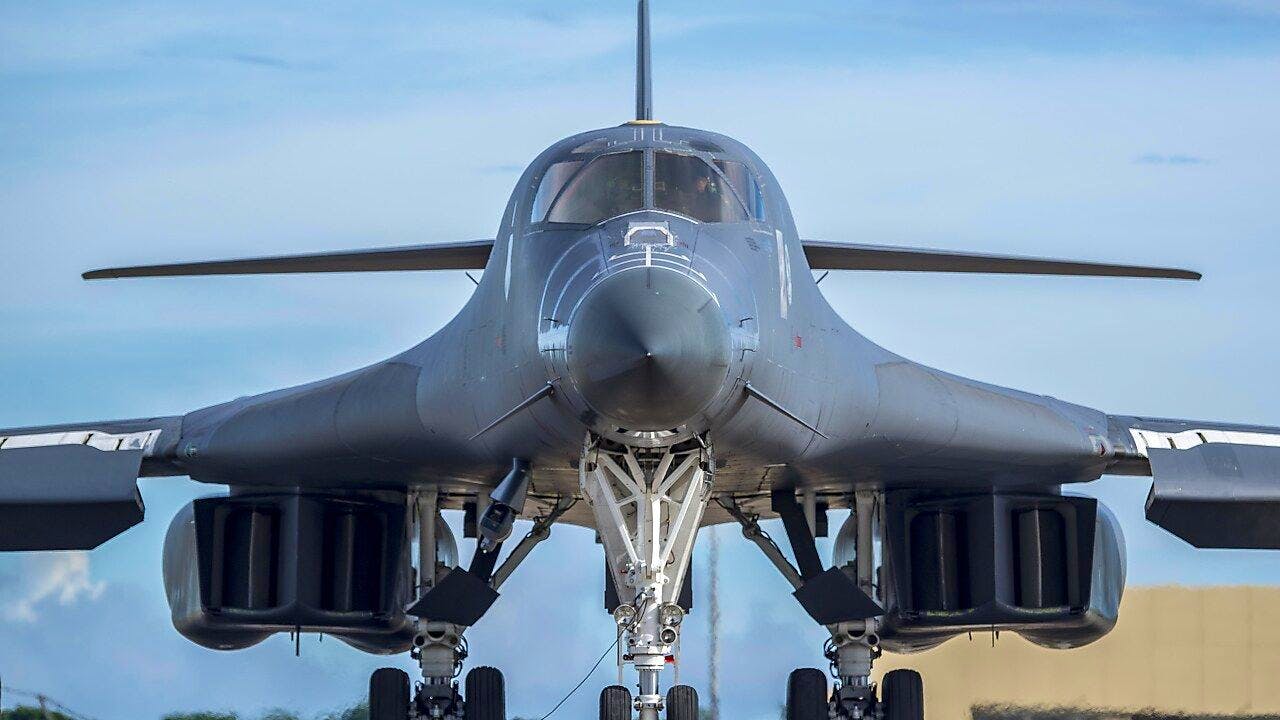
902,694
807,695
615,703
682,703
389,694
485,696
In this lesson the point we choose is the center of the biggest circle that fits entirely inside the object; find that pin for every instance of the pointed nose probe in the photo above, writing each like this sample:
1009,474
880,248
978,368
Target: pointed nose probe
648,349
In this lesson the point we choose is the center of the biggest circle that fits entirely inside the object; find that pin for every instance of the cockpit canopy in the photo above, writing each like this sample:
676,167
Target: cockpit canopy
589,191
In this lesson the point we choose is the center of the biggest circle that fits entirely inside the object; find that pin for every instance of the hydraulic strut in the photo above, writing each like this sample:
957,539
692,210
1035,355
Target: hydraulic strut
648,504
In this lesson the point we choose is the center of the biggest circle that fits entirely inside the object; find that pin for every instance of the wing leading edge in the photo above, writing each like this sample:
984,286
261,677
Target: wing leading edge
473,255
469,255
852,256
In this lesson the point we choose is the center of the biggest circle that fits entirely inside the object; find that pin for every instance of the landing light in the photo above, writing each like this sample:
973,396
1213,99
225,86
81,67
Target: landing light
670,614
624,615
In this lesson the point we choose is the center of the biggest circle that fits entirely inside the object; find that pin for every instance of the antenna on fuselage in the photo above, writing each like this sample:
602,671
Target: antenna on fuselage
644,76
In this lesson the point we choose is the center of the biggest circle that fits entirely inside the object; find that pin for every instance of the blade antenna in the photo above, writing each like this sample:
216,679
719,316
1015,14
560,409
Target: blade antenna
644,77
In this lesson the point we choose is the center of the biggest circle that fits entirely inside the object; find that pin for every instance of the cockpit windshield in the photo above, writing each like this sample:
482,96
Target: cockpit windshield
553,181
607,187
687,185
585,192
744,181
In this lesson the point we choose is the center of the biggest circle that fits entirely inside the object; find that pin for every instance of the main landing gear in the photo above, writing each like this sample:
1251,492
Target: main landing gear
485,697
451,599
845,600
648,504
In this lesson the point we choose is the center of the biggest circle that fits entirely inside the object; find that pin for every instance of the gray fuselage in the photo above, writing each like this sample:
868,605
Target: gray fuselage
648,325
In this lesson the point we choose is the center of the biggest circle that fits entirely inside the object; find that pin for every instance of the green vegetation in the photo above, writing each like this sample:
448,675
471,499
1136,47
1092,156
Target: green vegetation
357,712
22,712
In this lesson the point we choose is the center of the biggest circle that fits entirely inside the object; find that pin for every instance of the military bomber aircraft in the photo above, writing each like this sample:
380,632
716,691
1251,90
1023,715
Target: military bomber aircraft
647,353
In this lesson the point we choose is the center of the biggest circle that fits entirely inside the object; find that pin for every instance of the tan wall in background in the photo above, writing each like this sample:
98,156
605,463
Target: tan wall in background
1175,649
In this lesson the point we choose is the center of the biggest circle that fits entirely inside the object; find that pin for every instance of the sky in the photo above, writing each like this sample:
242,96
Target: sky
1130,131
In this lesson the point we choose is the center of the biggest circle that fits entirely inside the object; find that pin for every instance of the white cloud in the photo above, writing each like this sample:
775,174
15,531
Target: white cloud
38,578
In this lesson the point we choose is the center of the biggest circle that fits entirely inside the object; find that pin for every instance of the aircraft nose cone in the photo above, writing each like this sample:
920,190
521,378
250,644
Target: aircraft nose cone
648,349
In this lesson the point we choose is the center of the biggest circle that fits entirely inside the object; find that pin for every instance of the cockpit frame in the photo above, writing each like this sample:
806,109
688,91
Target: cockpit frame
602,147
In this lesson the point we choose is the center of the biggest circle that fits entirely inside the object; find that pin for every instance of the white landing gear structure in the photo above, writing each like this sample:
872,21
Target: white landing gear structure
648,504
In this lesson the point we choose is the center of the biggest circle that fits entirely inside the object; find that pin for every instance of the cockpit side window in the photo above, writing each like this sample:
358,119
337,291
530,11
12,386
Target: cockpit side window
608,186
748,187
553,181
687,185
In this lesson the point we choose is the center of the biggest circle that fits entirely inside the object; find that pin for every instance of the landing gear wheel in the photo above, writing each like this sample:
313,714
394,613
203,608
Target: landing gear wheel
485,695
389,694
682,703
902,695
615,703
807,695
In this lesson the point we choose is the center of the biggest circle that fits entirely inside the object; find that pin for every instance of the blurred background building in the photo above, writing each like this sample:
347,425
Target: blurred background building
1183,652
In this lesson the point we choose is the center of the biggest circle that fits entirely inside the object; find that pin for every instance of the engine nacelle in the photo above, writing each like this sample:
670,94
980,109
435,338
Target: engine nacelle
238,569
1048,567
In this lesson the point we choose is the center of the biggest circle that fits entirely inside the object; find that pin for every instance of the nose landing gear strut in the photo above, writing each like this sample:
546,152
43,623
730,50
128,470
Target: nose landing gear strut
648,504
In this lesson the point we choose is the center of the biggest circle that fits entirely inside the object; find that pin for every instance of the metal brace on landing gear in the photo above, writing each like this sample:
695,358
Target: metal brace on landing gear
440,647
648,504
852,649
844,599
440,650
855,645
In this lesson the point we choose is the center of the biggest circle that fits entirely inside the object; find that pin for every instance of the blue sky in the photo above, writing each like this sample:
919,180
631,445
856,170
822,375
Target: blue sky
137,132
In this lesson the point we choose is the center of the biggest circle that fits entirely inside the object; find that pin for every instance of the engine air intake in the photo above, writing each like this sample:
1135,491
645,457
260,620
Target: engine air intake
240,568
1045,566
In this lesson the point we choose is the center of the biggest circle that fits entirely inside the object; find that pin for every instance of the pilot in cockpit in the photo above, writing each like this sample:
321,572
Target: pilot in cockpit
704,197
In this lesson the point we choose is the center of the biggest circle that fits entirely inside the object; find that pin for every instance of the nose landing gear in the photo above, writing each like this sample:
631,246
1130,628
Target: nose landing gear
615,703
682,703
648,504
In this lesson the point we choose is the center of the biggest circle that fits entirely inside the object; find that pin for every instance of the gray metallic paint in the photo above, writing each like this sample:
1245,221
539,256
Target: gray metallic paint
885,421
408,420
